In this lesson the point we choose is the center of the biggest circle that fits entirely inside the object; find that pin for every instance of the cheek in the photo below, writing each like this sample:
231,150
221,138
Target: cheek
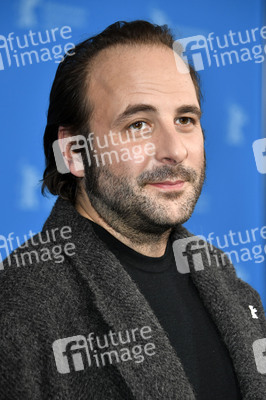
196,151
131,164
133,158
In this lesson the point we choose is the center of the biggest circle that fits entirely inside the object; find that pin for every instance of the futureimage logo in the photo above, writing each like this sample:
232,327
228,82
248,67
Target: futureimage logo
259,150
195,48
259,349
80,144
71,354
194,253
54,252
203,52
77,353
12,48
199,252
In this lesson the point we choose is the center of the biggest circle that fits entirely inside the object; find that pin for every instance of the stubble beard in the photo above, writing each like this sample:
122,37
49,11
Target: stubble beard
129,209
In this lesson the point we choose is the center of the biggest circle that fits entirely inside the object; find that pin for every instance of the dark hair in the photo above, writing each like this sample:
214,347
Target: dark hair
69,105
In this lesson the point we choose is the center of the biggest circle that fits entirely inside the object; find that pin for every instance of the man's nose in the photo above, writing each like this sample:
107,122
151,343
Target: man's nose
170,146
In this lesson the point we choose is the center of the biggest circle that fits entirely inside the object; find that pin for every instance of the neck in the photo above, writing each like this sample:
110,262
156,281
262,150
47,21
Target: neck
151,245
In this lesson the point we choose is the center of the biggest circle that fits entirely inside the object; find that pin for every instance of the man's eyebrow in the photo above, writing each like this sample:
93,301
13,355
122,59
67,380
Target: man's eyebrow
131,110
189,109
136,108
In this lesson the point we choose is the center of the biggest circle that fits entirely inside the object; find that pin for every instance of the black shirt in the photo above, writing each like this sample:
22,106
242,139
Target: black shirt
176,302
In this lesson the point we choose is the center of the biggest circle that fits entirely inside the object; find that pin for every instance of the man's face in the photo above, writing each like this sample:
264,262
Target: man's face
124,193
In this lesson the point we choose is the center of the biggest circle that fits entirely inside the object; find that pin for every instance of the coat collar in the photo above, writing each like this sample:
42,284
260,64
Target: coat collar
123,307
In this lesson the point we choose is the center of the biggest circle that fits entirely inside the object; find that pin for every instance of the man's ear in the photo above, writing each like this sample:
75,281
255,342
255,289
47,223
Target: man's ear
72,159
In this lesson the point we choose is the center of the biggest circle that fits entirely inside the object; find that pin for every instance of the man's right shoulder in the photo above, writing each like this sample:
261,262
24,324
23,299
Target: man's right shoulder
34,274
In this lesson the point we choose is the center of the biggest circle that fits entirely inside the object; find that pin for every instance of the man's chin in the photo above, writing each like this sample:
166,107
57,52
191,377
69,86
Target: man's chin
170,220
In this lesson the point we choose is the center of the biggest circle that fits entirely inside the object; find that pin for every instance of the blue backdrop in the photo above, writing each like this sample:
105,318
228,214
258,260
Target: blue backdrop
33,37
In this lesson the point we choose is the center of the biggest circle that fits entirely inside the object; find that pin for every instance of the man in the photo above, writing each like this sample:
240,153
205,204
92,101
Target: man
116,319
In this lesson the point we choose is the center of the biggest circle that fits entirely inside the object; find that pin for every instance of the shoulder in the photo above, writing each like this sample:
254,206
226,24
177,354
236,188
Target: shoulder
214,265
201,255
35,276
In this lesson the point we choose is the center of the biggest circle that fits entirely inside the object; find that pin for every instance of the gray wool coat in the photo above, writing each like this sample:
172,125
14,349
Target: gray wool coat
43,301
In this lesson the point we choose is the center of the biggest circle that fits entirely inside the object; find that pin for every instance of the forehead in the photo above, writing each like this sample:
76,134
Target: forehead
123,75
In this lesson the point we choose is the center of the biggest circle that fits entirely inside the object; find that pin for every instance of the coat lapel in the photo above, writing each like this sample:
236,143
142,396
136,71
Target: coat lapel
123,307
222,298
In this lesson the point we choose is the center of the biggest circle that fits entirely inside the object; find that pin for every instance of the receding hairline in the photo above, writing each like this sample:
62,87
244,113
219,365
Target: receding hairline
104,53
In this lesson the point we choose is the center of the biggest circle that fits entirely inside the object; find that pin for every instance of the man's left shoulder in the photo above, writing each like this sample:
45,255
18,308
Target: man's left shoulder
213,264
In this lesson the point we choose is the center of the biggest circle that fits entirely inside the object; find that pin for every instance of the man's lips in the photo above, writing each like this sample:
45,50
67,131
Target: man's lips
168,184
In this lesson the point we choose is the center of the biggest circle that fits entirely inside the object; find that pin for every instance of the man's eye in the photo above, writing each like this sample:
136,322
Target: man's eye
185,121
138,126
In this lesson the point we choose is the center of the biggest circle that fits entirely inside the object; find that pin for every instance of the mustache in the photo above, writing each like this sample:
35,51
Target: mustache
165,173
